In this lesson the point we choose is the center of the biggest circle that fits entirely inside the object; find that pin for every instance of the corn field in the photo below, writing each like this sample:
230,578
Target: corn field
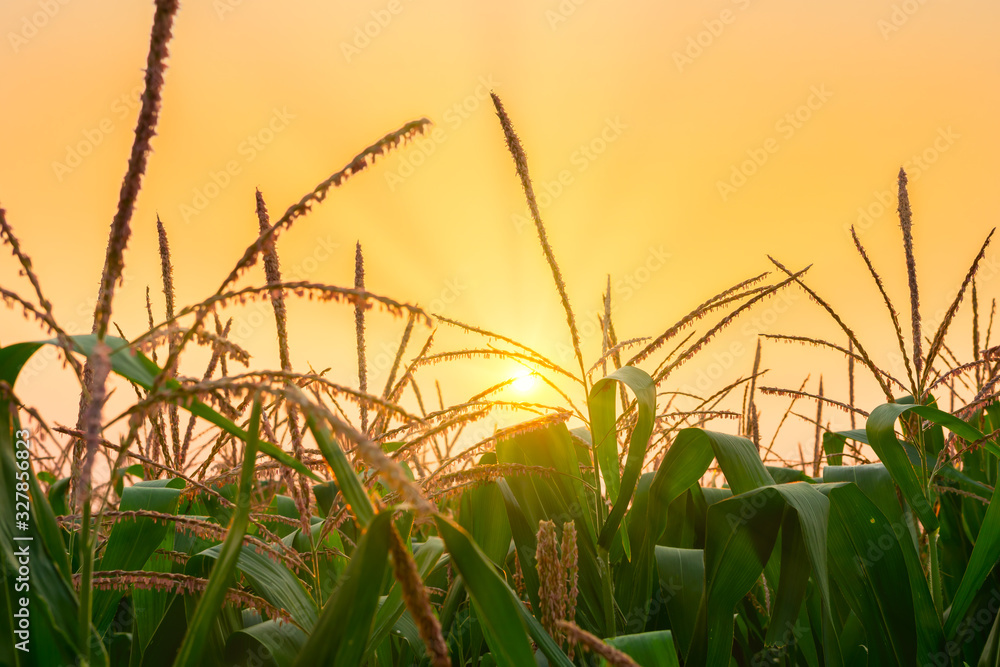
236,515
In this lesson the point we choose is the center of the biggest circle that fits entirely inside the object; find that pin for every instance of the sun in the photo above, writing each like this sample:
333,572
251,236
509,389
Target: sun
525,383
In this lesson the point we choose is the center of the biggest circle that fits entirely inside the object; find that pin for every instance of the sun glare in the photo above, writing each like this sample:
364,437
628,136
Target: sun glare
524,383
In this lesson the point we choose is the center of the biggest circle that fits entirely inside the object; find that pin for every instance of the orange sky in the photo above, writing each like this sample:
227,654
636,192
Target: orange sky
673,147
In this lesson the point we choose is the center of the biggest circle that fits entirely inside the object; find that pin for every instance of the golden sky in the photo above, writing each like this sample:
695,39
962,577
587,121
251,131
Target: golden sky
673,147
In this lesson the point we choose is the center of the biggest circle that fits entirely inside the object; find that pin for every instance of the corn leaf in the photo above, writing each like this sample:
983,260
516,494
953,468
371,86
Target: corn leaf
133,541
682,585
494,601
601,405
686,461
221,578
347,480
271,644
648,649
870,571
984,558
390,611
345,624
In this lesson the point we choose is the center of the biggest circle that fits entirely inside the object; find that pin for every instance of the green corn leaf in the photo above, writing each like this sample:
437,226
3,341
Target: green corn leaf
482,514
390,611
406,629
268,578
984,558
601,405
53,603
740,538
869,569
787,475
525,542
877,485
686,461
268,644
682,584
945,471
219,582
882,438
559,497
345,624
545,643
347,480
168,635
12,360
494,602
833,446
648,649
133,541
152,603
792,583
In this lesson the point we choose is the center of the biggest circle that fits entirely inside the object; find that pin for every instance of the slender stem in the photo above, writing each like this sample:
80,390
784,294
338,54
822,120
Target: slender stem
315,563
937,593
598,497
456,594
86,580
921,444
609,597
913,432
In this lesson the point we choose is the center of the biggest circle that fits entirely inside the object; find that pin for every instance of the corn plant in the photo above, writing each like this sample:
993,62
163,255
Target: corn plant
277,526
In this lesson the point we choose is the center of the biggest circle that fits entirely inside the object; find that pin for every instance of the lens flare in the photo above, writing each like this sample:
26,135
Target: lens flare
525,383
